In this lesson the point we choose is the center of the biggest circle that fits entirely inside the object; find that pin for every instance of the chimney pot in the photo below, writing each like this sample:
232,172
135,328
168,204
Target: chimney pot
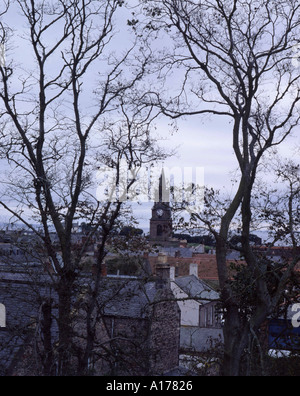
194,269
162,272
172,273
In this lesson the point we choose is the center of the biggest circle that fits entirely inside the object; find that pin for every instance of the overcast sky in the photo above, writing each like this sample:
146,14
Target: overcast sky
199,142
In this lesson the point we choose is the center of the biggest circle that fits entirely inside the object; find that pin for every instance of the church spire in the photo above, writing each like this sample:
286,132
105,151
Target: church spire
160,188
163,191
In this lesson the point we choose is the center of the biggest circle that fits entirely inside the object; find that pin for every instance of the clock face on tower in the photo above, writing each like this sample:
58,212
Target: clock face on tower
159,212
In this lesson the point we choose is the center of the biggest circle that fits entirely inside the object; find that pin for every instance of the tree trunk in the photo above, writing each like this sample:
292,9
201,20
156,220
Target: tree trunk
235,337
65,288
48,361
235,343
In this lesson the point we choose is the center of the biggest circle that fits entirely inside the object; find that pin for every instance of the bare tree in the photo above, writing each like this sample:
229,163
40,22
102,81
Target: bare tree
54,133
236,60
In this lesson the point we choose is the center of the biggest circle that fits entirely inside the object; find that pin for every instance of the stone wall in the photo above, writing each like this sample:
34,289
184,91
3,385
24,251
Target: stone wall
127,350
165,333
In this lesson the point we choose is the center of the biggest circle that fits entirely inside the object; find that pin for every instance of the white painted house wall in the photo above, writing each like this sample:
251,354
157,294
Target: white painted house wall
189,308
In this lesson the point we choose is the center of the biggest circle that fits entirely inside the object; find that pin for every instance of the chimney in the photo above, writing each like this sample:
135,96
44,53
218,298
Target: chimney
194,269
162,258
162,271
172,273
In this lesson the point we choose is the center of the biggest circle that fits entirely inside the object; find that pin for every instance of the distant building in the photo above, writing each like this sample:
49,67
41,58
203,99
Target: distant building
161,228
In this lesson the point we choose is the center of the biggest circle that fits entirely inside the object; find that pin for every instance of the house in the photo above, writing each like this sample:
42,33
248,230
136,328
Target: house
200,321
137,331
21,293
140,322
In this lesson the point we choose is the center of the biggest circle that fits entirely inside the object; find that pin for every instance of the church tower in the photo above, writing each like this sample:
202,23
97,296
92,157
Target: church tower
161,220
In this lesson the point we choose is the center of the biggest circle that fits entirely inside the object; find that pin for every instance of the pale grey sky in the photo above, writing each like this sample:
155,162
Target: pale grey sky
200,142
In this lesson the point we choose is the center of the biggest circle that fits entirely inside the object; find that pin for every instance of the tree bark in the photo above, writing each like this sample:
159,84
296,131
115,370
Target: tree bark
48,362
65,350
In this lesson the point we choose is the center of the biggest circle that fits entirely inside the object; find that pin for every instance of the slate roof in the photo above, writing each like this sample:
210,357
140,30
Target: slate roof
126,297
196,288
19,295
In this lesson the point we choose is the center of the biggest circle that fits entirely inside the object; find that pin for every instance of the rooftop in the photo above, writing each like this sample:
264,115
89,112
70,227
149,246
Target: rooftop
196,288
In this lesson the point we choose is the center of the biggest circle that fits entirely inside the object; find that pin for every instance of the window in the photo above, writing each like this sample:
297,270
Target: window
207,316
